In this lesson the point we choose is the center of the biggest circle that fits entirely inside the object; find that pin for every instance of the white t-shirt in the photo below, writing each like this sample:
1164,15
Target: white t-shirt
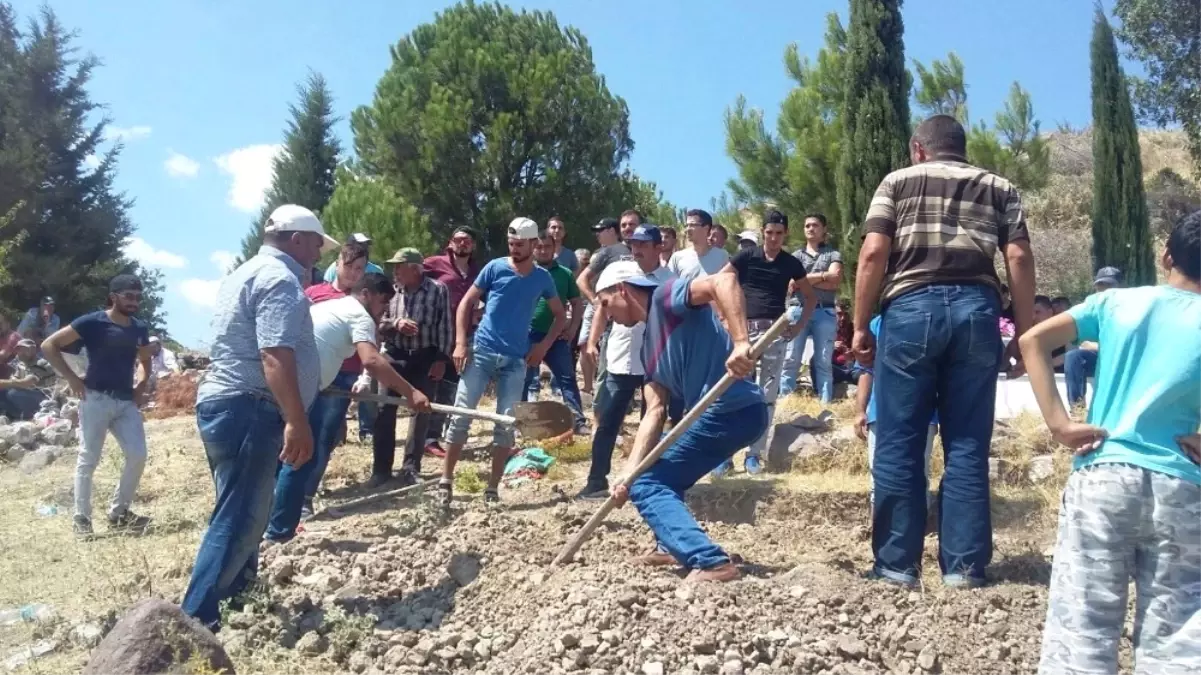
623,355
338,325
689,266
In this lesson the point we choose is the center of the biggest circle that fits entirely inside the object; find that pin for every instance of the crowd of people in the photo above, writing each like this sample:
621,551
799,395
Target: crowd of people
640,314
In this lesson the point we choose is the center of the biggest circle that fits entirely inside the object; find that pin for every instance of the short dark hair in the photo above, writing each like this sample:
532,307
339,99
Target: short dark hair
819,217
1061,300
703,216
774,217
632,212
124,282
1043,300
467,231
352,251
942,135
375,283
544,233
722,228
664,229
1184,245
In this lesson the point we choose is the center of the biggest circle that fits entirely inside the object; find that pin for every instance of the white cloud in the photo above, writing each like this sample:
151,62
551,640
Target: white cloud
251,170
91,162
180,166
140,250
200,292
224,260
113,133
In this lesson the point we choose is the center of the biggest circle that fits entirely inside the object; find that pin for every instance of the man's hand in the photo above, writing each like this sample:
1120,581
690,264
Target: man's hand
141,393
419,402
460,357
740,363
619,493
360,388
863,346
438,371
535,356
406,327
1013,355
77,386
298,444
591,352
1191,445
1081,438
861,426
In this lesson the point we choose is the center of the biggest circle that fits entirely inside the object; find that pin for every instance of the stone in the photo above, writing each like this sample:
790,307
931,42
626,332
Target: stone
628,598
852,648
36,461
15,454
87,635
483,650
19,433
927,660
1041,468
732,667
312,644
569,640
706,664
704,646
59,433
464,568
155,636
652,668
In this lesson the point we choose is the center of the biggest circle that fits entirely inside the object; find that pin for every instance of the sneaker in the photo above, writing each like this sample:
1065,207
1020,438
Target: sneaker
306,511
376,481
406,477
655,558
581,429
446,492
434,449
82,527
753,466
364,437
128,521
962,581
492,496
722,470
594,493
723,572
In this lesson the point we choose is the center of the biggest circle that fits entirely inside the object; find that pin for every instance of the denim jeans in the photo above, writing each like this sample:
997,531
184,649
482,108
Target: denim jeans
822,327
444,393
242,437
1078,366
367,413
296,486
939,347
767,376
99,414
558,359
658,494
613,399
508,373
20,404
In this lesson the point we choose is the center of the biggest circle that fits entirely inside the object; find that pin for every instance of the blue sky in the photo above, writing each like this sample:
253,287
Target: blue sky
198,91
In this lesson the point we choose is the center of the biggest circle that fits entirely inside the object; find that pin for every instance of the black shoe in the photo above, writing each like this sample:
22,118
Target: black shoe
376,481
594,493
492,496
82,527
306,511
128,521
406,477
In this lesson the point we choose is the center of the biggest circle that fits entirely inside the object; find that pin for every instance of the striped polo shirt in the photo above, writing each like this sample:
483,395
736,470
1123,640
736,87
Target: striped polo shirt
946,219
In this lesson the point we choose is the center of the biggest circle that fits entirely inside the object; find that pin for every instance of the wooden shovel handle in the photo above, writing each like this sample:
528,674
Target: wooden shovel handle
574,544
437,407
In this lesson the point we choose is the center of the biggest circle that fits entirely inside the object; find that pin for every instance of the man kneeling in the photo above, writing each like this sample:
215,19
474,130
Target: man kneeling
685,352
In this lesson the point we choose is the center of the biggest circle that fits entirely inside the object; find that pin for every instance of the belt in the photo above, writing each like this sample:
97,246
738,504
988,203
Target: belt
119,395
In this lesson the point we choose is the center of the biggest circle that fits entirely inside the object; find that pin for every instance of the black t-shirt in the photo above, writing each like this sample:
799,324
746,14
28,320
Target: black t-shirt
112,351
764,282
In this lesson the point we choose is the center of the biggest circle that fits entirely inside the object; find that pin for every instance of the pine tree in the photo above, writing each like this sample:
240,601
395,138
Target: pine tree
1121,226
304,171
875,115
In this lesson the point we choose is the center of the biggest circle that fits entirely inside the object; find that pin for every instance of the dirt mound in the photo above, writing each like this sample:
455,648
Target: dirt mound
175,395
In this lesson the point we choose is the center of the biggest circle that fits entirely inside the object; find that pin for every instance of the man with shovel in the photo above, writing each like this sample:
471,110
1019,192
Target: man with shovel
685,352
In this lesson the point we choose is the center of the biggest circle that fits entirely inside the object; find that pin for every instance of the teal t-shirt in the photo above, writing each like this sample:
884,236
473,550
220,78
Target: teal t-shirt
567,289
1147,386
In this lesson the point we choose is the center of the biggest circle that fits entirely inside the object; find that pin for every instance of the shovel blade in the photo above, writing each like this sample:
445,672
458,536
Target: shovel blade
539,420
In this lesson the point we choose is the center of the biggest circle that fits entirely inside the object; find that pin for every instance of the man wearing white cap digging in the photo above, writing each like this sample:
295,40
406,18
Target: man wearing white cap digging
254,400
501,350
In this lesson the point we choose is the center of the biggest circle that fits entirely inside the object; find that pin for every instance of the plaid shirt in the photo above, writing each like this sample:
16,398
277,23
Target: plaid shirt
429,307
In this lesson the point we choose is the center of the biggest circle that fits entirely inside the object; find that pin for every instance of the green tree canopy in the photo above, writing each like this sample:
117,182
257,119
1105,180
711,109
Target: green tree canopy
486,114
1121,227
303,173
371,205
62,222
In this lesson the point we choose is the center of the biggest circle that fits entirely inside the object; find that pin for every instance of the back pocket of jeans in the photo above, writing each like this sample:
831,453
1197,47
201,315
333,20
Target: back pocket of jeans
984,349
903,339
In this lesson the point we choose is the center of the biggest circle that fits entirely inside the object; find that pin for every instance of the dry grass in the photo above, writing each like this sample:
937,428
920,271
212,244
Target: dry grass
569,449
175,395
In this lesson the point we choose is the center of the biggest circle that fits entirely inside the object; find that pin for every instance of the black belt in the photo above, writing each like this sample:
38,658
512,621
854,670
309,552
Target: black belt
119,395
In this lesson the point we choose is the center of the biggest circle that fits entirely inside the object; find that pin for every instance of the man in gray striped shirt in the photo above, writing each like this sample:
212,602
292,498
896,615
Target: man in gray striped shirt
254,399
930,237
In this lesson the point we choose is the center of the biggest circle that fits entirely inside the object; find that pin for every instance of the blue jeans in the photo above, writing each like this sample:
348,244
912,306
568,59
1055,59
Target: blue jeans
508,372
658,494
613,398
296,486
562,369
242,438
939,348
1078,366
367,412
822,327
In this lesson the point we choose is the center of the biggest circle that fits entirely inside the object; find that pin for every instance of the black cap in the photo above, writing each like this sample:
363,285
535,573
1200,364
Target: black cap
47,300
606,223
124,282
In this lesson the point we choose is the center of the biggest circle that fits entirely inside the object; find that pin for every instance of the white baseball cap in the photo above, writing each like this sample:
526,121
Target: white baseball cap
523,228
624,272
749,235
293,218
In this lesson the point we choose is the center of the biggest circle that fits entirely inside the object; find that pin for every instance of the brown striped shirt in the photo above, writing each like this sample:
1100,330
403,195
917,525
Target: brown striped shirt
946,220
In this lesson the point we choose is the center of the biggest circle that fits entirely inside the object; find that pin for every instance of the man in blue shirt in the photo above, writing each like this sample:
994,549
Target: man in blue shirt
685,352
253,400
363,243
1132,505
502,350
108,398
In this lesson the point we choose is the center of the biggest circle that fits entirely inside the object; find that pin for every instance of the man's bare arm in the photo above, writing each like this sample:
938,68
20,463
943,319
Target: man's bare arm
600,317
379,368
873,263
464,313
584,281
1019,267
651,426
1036,345
279,369
558,325
52,349
828,280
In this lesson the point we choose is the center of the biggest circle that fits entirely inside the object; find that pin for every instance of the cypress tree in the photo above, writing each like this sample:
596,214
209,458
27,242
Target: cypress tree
304,171
875,115
1121,226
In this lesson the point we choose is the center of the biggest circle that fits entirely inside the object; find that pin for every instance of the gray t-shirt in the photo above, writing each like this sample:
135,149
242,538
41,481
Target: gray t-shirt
826,256
566,257
689,266
603,257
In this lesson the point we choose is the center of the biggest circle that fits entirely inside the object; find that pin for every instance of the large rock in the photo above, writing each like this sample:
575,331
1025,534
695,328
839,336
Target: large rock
463,568
37,460
19,433
59,433
157,637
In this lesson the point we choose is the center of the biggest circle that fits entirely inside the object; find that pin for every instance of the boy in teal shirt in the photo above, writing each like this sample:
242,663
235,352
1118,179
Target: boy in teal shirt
1132,506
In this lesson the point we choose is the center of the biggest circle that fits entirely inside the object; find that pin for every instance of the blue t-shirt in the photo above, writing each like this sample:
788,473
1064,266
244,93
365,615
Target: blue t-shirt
874,326
331,272
509,307
112,351
1147,386
685,348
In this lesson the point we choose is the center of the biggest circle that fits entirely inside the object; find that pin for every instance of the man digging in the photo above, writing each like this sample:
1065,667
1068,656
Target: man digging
685,353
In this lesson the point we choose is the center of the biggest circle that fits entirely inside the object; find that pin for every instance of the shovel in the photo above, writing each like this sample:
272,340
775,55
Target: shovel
574,544
534,420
